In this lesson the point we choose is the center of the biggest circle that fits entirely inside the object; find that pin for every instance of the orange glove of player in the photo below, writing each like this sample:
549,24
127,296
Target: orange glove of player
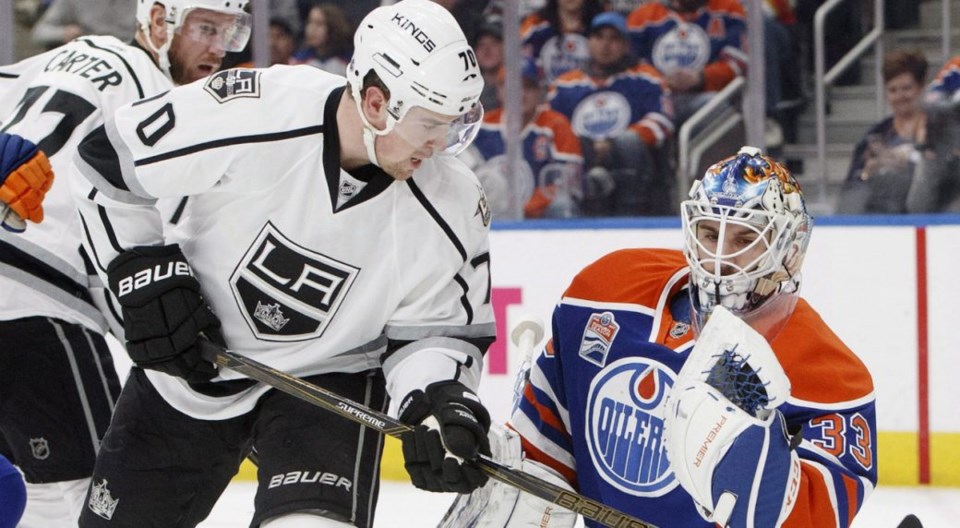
25,178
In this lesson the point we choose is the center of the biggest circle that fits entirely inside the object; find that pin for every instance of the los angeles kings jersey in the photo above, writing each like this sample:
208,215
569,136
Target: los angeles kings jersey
594,406
54,99
310,269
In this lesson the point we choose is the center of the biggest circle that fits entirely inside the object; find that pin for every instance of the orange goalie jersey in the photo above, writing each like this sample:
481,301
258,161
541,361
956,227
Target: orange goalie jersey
594,405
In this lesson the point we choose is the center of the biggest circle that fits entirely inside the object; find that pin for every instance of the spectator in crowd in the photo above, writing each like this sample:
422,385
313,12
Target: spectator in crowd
326,39
66,20
488,46
697,45
936,184
550,181
289,12
283,42
621,111
555,35
884,160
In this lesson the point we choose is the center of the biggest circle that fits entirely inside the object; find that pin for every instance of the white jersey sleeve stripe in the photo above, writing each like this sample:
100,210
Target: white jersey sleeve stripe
230,142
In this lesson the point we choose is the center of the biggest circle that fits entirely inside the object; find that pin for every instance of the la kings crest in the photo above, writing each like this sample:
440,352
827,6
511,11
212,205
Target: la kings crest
286,292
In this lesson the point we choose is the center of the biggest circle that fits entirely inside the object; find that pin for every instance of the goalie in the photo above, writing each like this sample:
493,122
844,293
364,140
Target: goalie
696,388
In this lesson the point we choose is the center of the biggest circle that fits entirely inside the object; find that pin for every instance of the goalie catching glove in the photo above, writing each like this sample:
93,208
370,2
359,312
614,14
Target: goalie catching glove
164,313
450,430
25,178
727,443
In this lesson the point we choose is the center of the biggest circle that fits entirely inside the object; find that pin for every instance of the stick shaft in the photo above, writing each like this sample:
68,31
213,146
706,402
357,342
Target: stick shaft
294,386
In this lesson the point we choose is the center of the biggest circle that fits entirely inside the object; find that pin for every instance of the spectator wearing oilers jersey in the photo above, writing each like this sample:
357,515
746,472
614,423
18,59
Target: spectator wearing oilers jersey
697,45
550,181
947,83
621,111
555,35
622,399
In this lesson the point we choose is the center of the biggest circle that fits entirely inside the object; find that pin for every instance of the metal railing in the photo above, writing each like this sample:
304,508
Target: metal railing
685,166
822,80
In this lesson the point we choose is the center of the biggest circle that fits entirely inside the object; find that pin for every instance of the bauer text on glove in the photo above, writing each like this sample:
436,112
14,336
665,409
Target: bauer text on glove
164,313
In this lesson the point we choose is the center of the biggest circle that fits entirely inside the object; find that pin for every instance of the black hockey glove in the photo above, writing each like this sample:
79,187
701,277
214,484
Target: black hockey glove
163,311
451,429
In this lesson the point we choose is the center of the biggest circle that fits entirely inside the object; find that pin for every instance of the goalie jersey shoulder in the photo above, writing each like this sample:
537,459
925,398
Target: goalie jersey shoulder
636,276
822,369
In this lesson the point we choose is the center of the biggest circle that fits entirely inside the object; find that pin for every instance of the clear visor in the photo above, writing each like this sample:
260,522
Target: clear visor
431,133
229,31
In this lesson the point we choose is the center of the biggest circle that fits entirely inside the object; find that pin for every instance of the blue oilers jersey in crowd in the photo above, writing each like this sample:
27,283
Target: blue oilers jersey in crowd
947,83
711,40
594,405
634,99
547,139
555,52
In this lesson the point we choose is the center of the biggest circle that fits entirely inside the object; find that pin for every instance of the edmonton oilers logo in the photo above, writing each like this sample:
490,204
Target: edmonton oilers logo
684,46
625,412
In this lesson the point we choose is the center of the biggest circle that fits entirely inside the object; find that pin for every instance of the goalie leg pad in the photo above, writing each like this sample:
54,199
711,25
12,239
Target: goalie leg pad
498,505
740,470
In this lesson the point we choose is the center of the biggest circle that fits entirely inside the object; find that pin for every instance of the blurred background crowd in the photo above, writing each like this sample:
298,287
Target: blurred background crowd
618,104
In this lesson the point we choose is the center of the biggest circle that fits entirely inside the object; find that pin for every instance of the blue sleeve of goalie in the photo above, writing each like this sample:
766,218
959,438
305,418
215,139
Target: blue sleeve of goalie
757,467
13,492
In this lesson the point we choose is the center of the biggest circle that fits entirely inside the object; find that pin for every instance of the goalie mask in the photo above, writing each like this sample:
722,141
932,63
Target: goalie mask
746,231
419,52
231,34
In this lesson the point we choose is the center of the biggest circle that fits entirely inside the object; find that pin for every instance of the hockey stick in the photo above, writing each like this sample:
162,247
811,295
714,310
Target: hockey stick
308,392
526,335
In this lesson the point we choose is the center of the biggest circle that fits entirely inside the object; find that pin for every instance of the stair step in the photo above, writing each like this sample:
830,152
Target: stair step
839,129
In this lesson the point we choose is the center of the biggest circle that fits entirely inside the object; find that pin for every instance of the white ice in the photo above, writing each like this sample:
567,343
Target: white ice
403,506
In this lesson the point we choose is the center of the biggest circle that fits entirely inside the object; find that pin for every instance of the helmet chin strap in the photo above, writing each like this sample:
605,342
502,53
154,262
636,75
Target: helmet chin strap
163,58
370,132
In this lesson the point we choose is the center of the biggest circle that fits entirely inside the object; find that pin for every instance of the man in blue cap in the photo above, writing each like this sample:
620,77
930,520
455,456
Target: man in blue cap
621,111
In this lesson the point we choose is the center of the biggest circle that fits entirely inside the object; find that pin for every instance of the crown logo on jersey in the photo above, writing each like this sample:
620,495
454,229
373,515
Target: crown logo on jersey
101,502
483,208
40,448
270,315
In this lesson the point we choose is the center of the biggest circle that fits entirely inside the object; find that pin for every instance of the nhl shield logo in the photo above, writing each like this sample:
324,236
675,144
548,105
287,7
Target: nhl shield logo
598,335
286,292
40,448
233,84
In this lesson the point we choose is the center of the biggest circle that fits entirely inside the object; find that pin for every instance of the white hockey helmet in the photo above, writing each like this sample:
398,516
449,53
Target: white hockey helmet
746,231
234,38
421,55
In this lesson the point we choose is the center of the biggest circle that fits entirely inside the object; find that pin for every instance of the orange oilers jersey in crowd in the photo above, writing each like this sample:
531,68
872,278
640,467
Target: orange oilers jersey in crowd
635,98
550,149
555,52
712,40
594,405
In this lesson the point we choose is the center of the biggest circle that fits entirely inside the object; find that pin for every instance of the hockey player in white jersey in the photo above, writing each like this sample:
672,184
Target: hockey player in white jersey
332,235
59,383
